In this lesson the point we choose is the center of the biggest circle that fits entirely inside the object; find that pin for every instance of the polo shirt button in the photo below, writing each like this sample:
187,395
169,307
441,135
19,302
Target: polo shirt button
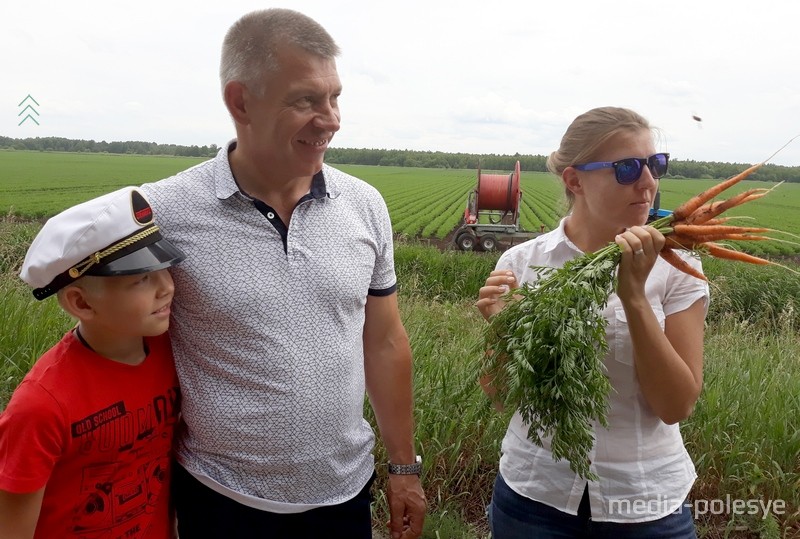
270,215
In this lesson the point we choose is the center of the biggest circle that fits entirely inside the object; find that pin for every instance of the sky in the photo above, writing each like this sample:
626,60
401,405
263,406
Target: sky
488,77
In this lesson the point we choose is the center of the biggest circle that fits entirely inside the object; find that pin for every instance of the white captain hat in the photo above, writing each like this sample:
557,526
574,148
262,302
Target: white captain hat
114,234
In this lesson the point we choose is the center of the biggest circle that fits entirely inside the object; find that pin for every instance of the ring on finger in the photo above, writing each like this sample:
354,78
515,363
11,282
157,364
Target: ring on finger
638,252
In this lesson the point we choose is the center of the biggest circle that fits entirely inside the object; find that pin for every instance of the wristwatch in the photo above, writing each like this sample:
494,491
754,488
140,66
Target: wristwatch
407,469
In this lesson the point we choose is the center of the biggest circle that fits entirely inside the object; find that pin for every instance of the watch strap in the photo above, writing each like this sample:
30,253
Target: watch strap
407,469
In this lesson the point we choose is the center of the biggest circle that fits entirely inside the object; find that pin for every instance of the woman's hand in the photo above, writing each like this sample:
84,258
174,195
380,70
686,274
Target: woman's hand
498,283
640,247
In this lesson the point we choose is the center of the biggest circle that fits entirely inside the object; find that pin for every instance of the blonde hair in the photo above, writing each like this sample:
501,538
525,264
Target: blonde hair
251,44
588,133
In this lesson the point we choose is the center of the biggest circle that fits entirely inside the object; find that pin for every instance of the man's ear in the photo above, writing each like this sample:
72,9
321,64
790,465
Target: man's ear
236,96
76,301
571,180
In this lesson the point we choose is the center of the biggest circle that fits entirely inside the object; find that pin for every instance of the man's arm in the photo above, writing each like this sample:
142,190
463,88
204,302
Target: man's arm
387,368
19,514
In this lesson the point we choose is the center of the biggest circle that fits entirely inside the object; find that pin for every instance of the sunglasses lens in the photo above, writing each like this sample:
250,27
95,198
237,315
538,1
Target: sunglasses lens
658,164
628,170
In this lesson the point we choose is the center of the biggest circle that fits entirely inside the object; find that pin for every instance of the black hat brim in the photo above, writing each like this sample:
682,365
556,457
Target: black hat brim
156,256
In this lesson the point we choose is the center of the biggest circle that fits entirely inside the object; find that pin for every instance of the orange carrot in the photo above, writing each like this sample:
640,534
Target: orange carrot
681,242
706,229
755,191
719,251
742,197
690,243
699,240
717,221
742,237
672,257
688,207
702,214
706,212
753,197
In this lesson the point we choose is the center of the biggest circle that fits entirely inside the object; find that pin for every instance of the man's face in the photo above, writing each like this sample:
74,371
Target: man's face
294,120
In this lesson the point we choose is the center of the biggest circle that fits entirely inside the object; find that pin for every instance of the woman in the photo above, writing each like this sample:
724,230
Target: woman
610,170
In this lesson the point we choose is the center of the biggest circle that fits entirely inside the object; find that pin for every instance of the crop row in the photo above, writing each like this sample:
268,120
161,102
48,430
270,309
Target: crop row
447,220
542,208
528,219
431,213
403,204
434,207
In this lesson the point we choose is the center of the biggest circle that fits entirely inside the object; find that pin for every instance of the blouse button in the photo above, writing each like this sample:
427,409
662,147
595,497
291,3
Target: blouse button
270,215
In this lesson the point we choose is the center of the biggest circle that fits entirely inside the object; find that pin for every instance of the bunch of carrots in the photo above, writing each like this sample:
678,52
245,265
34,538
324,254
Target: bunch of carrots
696,226
546,347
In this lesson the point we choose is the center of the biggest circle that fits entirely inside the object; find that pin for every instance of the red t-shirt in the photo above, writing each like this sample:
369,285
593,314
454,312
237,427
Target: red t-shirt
98,434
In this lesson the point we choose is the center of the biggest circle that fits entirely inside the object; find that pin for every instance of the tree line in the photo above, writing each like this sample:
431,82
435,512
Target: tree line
397,158
59,144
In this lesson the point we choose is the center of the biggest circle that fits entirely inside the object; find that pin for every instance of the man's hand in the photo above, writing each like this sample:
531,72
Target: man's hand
406,506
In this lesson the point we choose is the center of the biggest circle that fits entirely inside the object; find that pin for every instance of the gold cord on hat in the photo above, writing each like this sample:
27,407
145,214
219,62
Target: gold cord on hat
82,267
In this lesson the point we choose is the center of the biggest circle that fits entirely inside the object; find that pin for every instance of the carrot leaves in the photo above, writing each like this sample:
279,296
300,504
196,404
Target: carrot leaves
546,351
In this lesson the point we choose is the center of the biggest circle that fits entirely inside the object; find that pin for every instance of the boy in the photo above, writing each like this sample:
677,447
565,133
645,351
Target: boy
85,442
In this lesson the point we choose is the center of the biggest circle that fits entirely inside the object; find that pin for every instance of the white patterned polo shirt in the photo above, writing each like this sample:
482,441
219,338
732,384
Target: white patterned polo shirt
267,333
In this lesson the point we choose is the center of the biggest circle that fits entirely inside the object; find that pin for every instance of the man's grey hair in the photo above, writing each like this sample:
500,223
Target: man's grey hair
250,46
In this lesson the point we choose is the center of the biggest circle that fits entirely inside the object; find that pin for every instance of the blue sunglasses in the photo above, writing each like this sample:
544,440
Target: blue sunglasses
628,171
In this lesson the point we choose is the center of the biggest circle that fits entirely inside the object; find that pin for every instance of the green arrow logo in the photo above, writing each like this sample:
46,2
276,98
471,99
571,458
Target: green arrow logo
29,106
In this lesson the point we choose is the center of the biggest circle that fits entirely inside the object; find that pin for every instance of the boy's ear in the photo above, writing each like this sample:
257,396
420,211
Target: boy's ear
76,301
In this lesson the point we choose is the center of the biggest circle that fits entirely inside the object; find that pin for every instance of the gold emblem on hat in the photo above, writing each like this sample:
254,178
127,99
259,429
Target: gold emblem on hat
82,267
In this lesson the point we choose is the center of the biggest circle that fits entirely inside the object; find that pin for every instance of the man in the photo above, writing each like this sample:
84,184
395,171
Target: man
285,310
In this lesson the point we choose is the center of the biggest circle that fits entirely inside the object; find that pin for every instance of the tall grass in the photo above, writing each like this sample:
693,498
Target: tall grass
766,297
16,237
457,431
27,329
744,434
441,276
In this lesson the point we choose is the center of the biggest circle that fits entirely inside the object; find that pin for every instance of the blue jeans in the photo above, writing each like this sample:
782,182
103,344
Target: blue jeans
512,516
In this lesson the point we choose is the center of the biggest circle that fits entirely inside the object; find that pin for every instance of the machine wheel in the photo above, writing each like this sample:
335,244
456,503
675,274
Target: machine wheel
466,241
488,242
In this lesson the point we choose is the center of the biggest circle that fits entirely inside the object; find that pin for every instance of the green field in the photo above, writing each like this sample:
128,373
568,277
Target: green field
40,184
422,202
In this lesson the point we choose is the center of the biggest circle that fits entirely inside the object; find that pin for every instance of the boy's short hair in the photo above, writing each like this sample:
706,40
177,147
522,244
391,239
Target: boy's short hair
114,234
